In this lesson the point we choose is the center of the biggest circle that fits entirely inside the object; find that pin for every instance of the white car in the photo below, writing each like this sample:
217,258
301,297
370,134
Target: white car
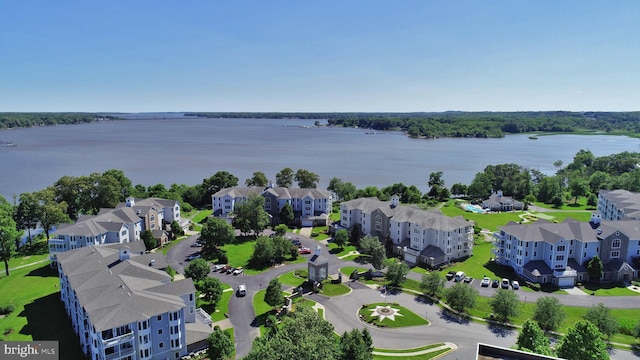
194,256
238,271
515,285
217,267
485,282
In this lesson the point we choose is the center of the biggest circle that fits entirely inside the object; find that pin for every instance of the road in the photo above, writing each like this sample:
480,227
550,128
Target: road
342,311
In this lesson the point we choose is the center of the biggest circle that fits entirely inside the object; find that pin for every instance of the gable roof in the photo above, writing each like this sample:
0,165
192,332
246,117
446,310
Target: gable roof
298,193
239,192
115,293
624,200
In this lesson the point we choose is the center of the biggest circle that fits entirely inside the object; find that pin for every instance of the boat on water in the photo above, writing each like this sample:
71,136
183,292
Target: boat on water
533,137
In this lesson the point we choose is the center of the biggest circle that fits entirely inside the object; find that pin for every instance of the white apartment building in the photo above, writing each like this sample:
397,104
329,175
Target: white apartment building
619,204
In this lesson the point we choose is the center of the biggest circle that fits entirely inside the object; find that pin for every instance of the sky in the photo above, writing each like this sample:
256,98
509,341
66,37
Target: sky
319,56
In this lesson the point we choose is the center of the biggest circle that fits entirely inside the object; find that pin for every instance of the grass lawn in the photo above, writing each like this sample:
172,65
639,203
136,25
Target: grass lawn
348,270
232,336
395,351
291,279
39,313
411,284
24,260
609,289
359,258
320,233
329,289
223,305
419,270
200,216
239,254
335,249
430,355
408,318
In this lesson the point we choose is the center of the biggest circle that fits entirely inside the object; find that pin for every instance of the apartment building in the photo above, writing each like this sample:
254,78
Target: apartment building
619,204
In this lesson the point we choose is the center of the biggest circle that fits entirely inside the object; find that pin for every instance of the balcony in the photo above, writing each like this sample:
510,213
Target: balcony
117,339
121,354
203,316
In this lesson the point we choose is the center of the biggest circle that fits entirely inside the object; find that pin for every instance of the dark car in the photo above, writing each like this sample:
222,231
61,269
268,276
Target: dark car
450,275
495,283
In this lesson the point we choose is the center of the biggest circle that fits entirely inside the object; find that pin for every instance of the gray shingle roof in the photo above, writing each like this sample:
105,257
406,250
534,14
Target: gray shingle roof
551,233
298,193
624,200
115,293
239,192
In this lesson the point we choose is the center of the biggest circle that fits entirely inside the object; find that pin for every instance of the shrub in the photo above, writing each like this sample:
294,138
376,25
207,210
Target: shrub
7,309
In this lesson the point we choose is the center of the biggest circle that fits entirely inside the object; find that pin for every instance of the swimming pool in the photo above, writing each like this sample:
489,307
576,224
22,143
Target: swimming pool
474,208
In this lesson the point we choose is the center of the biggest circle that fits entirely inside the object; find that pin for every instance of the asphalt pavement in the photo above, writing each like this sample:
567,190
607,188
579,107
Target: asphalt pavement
342,311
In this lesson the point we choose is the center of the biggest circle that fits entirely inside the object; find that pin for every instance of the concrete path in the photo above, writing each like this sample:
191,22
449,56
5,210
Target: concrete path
575,291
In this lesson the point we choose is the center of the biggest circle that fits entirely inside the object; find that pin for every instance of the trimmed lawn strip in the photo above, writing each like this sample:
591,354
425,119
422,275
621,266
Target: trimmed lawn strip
240,253
419,270
23,260
223,305
335,249
610,289
39,314
201,215
401,351
430,355
348,270
408,318
232,336
329,289
291,279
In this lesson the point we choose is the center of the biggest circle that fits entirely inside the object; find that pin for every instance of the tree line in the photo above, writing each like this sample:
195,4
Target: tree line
18,120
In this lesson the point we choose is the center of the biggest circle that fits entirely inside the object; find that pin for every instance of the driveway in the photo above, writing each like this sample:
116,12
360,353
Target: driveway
342,311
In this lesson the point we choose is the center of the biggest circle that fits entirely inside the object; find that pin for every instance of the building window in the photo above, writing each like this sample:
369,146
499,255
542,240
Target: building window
560,248
615,254
161,345
159,318
159,331
560,258
616,244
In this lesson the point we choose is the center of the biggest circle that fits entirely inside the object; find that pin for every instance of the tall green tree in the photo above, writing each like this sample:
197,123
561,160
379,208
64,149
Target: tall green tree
211,289
461,296
481,186
281,230
532,339
51,212
397,271
341,238
150,242
125,186
197,270
286,215
435,179
504,304
370,245
9,235
273,295
216,232
258,179
354,345
250,215
26,213
594,268
582,341
578,187
306,179
432,283
284,178
344,190
263,252
548,313
220,345
220,180
600,316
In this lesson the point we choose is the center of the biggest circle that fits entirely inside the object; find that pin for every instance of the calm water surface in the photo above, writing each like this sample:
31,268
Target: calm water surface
187,150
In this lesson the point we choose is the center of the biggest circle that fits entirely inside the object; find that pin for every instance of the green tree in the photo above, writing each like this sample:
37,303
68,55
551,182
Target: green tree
578,187
176,230
302,335
26,213
458,189
220,345
432,283
263,252
594,268
548,313
370,245
582,341
461,296
281,230
50,212
354,235
354,346
197,270
306,179
341,238
636,330
220,180
481,186
9,235
531,338
504,304
396,271
211,289
273,295
216,232
258,179
344,190
286,215
150,242
285,177
600,316
435,179
124,187
250,215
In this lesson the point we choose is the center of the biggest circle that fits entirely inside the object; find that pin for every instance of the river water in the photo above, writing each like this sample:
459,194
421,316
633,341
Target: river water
152,150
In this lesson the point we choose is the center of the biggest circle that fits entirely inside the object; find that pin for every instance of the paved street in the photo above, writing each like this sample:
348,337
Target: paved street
342,311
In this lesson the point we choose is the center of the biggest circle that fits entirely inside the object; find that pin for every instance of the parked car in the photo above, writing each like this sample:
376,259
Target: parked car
296,242
193,257
196,244
230,270
304,250
459,276
217,267
238,270
468,279
242,290
495,283
505,283
515,285
225,268
485,282
450,275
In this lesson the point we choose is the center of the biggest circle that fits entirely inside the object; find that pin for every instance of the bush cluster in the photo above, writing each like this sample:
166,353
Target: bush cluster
7,309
